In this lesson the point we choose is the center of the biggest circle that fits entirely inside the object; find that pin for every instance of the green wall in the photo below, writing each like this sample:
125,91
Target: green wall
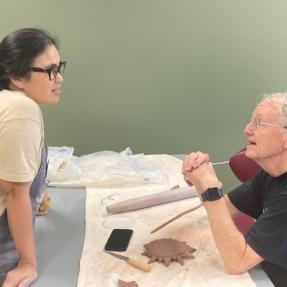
159,76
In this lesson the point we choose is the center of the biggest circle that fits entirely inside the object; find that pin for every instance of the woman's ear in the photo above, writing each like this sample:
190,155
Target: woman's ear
16,83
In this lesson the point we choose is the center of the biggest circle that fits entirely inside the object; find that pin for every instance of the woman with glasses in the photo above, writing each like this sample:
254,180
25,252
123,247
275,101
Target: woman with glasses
264,197
30,75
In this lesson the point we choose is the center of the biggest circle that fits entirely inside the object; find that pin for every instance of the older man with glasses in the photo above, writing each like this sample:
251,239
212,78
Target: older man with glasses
264,197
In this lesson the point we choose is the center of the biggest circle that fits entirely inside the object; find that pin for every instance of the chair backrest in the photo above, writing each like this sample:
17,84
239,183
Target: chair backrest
243,167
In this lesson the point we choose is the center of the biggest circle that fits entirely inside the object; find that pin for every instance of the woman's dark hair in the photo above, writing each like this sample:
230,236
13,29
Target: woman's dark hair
18,51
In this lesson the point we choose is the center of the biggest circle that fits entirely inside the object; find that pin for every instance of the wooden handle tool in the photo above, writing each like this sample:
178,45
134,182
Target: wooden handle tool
132,261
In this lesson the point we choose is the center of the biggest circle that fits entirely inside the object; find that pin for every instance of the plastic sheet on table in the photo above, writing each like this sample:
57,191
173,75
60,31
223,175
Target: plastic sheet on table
101,169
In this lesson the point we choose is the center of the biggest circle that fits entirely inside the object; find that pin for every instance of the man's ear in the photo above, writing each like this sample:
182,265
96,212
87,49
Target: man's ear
17,83
285,140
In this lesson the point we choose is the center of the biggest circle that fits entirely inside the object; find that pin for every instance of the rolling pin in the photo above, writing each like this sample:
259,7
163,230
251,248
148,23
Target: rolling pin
171,195
152,199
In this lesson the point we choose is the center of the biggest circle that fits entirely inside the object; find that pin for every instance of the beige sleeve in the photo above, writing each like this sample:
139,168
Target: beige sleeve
20,150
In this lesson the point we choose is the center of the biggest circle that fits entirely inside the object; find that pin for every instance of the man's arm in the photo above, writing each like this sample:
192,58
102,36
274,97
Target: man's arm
19,212
237,255
233,211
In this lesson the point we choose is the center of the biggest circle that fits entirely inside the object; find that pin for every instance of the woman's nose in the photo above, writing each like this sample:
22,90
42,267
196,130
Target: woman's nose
59,78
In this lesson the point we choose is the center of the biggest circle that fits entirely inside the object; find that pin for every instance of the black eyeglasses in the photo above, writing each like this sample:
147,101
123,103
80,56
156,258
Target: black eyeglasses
52,71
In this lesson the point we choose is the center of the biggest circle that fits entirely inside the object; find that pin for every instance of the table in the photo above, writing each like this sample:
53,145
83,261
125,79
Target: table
60,236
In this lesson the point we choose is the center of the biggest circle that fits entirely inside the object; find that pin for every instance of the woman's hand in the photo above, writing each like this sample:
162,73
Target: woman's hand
22,276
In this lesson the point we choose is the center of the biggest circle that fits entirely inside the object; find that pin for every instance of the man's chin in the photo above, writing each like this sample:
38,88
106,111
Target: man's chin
250,152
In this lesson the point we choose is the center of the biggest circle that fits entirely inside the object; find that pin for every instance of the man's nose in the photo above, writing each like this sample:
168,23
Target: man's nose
249,129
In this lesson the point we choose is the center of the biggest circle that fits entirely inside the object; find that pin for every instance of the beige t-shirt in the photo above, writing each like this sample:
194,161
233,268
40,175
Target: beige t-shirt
21,139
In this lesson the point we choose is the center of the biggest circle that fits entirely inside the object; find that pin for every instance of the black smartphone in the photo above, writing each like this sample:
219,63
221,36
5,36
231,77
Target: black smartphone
119,240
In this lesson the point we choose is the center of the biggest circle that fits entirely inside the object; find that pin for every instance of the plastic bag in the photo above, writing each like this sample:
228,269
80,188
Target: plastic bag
101,169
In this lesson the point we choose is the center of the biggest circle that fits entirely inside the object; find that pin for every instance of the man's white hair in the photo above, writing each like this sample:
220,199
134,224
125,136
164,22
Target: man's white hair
280,100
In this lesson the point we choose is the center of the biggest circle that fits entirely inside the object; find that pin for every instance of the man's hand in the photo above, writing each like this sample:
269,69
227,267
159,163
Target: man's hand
198,171
193,161
22,276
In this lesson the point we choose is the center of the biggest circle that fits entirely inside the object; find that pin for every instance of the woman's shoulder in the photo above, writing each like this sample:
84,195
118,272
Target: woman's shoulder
15,104
16,98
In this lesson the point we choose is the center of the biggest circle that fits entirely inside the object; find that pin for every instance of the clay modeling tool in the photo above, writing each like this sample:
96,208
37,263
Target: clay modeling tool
176,217
220,163
131,261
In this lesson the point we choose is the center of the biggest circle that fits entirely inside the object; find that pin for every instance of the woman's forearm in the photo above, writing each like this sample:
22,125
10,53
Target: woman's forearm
20,221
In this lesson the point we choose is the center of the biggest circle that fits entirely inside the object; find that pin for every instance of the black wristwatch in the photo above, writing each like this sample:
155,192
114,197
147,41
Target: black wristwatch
212,194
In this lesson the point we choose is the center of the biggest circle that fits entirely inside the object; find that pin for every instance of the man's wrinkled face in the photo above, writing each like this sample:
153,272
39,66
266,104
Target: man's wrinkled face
264,132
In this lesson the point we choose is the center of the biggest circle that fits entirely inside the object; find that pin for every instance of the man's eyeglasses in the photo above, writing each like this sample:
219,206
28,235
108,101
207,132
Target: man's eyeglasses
257,123
52,71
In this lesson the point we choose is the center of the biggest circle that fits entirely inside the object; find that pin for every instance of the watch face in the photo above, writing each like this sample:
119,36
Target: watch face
213,193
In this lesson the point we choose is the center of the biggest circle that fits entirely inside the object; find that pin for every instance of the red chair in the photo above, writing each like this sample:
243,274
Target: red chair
244,169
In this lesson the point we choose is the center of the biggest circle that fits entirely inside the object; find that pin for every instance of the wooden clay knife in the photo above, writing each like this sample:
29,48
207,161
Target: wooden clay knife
131,261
